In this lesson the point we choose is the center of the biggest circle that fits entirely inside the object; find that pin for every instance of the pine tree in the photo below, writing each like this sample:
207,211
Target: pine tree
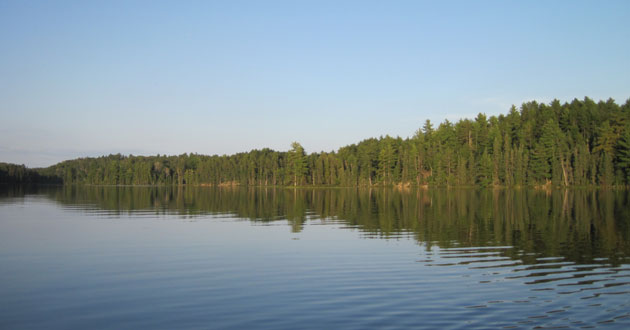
623,154
386,159
606,139
576,143
539,167
605,169
297,163
484,170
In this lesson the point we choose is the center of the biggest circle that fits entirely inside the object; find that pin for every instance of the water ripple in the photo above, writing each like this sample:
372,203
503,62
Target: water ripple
549,277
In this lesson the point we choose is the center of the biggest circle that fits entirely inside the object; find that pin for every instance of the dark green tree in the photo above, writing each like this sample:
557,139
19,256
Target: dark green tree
623,154
297,163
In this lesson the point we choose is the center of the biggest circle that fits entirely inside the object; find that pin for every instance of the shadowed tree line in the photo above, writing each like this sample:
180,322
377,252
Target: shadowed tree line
578,143
20,174
578,224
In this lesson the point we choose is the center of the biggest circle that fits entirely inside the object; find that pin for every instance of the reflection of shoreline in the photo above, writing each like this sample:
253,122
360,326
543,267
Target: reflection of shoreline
577,224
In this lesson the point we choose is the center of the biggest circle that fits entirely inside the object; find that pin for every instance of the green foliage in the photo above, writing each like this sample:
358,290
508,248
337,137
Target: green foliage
576,143
297,163
606,138
20,174
623,153
386,161
484,170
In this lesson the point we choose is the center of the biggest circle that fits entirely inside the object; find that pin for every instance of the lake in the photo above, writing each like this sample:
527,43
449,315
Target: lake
272,258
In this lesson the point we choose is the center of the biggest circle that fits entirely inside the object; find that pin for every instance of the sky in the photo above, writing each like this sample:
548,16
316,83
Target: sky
91,78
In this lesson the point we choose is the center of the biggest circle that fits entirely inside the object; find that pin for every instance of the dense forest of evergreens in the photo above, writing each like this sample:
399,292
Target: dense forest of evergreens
20,174
580,143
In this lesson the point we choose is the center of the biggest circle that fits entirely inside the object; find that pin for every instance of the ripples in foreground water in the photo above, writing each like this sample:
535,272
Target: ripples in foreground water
122,257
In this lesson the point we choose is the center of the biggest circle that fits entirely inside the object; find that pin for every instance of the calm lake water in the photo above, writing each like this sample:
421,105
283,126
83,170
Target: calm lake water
183,258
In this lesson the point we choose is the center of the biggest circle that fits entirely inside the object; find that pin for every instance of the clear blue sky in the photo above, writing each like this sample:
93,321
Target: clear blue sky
87,78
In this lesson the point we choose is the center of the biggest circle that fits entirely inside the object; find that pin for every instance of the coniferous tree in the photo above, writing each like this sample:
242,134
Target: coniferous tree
297,163
623,153
581,142
386,161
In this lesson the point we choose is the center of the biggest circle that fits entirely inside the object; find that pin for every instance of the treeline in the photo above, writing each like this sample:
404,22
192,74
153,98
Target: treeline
20,174
579,143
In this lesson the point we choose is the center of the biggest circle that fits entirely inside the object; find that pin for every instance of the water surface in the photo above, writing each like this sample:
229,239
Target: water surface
164,258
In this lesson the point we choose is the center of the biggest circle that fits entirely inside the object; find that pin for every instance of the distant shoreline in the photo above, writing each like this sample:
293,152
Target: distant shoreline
581,143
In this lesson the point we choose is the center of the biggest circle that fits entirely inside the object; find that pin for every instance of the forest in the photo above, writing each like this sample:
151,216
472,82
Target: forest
578,143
